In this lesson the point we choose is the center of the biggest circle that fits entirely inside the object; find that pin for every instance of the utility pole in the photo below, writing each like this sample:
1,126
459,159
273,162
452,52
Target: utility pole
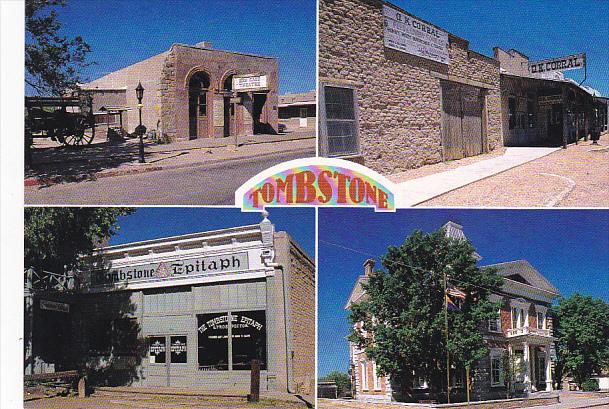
446,332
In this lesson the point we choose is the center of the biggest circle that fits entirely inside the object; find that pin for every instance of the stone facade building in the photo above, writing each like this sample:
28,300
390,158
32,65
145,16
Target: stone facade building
521,331
545,109
189,311
392,105
193,92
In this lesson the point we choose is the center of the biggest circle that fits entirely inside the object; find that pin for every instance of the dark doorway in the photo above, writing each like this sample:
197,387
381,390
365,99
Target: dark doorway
229,108
259,115
555,126
198,105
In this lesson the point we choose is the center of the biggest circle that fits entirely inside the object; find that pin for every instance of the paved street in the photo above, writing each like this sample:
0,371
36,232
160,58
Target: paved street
212,184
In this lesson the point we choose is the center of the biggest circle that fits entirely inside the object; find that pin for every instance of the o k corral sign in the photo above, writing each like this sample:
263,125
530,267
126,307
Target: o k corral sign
249,83
410,35
570,62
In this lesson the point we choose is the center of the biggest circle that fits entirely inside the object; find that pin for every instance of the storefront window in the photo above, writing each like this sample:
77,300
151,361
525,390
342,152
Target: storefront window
157,350
178,350
248,339
213,341
340,121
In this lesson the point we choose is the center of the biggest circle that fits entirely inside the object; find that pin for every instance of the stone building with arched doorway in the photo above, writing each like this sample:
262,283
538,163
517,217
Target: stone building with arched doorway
194,92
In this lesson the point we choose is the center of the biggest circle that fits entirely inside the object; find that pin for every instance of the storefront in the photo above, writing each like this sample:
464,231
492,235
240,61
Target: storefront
543,110
196,310
298,112
397,92
194,92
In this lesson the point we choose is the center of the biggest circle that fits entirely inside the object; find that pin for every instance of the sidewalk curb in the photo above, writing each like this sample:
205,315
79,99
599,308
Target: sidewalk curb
34,181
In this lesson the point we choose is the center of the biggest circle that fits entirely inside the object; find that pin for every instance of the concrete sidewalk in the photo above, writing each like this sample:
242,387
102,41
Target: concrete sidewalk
415,191
58,165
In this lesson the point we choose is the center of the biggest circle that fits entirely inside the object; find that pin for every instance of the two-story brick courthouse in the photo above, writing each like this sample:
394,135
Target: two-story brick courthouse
192,91
186,311
522,331
397,92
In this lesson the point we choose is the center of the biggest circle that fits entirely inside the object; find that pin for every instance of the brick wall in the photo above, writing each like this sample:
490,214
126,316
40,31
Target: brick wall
399,95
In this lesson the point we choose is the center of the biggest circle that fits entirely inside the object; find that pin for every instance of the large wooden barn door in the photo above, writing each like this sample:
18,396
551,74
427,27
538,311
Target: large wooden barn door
462,132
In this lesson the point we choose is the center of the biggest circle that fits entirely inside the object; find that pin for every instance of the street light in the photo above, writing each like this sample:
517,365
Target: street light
141,129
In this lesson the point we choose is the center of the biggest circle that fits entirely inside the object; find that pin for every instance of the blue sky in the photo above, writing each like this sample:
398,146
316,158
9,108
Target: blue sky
155,222
123,32
538,28
569,247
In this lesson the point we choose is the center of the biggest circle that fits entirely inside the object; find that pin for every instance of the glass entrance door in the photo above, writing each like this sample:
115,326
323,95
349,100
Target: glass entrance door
167,356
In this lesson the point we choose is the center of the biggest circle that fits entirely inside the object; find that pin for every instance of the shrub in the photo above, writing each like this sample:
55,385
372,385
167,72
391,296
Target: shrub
590,385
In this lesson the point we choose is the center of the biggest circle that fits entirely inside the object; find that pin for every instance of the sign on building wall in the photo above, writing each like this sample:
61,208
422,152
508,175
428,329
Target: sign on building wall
54,306
570,62
410,35
249,83
174,269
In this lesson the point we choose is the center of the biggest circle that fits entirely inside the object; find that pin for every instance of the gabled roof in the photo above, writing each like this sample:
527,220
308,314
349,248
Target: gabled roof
522,270
357,292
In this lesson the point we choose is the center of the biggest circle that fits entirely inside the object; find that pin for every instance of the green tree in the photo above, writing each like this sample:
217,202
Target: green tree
56,237
52,60
404,309
581,325
341,379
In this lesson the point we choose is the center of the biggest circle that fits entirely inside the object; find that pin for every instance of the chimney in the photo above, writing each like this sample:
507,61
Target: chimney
368,266
204,44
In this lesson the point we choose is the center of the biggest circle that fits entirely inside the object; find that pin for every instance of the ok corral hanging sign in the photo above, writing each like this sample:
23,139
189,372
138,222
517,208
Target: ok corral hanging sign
198,266
570,62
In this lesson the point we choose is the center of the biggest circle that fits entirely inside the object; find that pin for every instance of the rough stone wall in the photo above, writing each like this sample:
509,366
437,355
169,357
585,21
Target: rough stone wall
399,95
187,60
302,319
167,89
149,73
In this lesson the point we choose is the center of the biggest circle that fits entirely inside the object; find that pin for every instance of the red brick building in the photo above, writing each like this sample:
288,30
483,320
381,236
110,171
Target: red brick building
193,92
522,331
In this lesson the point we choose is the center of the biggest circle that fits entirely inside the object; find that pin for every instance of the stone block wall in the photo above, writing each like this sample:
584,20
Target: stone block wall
399,95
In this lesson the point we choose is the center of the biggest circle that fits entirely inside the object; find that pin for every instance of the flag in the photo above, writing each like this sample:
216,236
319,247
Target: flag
456,292
451,305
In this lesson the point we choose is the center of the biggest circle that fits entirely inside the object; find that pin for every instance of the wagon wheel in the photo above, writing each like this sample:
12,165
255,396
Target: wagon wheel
79,135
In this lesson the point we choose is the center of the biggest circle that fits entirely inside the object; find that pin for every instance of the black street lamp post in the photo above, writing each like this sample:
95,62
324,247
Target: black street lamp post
141,129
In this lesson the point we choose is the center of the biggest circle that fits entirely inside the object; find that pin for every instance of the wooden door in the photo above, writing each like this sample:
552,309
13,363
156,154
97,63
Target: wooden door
471,99
462,124
202,115
451,121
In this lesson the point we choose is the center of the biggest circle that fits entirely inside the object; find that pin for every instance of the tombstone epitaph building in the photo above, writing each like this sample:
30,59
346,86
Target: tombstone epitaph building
190,311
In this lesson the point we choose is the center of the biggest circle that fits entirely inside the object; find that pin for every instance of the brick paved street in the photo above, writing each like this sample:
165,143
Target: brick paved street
575,177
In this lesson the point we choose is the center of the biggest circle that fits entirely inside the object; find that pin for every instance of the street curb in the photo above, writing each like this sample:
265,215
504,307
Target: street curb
34,181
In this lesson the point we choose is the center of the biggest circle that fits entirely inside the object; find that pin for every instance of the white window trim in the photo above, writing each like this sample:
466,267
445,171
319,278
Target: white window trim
323,126
375,377
497,353
364,372
497,321
543,310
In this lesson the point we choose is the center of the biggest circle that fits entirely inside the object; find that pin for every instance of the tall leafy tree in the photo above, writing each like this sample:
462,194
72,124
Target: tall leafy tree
404,309
56,237
52,60
582,327
341,379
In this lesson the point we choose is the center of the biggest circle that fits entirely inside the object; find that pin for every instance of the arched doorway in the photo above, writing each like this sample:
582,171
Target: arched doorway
198,105
230,127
